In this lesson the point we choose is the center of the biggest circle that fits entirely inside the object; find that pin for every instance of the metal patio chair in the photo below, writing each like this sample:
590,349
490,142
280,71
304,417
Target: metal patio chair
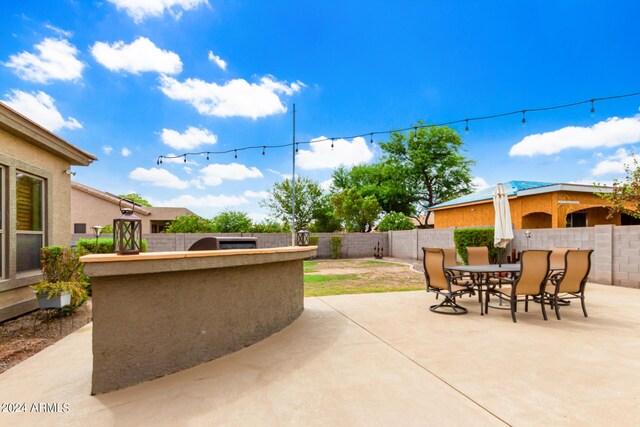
534,270
570,284
442,282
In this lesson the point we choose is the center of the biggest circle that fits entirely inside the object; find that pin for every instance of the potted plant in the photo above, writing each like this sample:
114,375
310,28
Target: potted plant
58,294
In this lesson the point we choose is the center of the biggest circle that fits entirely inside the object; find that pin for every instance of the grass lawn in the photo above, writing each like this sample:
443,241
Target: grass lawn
339,277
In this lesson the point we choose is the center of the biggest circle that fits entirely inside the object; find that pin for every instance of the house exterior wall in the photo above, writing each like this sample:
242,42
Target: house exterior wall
529,211
17,155
92,210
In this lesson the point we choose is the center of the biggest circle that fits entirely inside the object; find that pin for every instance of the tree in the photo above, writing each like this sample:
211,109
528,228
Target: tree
386,181
434,169
358,213
267,226
324,216
625,197
279,202
135,197
229,221
189,224
395,221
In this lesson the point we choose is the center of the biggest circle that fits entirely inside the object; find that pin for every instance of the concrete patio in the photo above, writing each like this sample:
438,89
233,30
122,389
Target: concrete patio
374,359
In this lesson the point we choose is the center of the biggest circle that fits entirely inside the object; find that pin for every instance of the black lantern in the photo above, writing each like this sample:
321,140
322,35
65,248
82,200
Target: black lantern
127,231
303,238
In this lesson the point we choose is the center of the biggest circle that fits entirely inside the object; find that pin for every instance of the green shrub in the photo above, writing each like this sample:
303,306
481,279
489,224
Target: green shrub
63,272
313,240
105,245
395,221
107,229
465,237
336,247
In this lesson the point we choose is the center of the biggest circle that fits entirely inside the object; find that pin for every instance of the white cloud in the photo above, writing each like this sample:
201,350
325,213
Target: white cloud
107,149
582,162
326,185
40,107
256,194
139,10
234,98
280,174
615,164
191,138
140,56
609,133
158,177
55,60
188,170
59,31
479,183
344,153
125,152
258,217
218,61
215,173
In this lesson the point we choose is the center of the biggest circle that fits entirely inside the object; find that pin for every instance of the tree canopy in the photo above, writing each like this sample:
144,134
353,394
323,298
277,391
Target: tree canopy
358,213
307,195
189,224
430,162
625,197
136,198
229,221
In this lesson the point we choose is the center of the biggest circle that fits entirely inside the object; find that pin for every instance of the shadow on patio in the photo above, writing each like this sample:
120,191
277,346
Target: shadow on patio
375,359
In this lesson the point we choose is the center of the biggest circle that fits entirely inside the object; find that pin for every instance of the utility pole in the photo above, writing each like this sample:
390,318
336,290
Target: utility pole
293,181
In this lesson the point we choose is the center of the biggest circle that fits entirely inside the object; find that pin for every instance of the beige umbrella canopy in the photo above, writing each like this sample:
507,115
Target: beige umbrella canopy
503,232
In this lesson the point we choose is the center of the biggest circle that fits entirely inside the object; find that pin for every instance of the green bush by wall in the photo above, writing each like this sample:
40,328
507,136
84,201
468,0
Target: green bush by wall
313,240
465,237
336,247
104,246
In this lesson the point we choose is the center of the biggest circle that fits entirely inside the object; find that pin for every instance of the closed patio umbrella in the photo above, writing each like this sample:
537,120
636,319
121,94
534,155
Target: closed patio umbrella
503,232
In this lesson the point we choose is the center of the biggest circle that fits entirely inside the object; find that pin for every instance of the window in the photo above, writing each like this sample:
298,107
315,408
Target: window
29,221
577,219
80,228
2,223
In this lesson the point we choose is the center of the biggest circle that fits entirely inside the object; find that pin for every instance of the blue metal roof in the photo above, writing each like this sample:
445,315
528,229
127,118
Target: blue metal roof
511,187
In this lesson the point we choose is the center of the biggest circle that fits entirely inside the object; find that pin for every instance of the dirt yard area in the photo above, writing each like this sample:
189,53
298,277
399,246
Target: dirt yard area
337,277
19,341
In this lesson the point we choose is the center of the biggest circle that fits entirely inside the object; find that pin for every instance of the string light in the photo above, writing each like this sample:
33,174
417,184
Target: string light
593,108
296,147
415,128
415,134
371,140
185,158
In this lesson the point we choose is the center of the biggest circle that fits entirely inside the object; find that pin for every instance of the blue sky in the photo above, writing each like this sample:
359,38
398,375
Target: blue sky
129,80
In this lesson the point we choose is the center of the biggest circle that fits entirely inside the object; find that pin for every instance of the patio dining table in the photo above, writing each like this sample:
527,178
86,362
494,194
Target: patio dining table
481,273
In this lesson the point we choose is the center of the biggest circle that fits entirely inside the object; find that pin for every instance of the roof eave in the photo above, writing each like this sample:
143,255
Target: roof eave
16,124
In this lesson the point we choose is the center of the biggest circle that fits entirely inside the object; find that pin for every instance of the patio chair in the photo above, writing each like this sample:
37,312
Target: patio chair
534,270
479,255
557,256
444,283
570,284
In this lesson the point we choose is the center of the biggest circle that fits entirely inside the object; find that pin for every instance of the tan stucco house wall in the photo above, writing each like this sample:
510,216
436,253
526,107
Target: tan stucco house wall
90,206
28,149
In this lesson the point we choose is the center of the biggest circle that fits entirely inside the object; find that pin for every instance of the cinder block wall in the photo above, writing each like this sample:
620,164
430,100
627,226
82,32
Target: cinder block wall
354,245
615,260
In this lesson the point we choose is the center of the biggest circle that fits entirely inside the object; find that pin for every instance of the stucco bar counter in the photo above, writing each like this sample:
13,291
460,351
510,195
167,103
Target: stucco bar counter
161,312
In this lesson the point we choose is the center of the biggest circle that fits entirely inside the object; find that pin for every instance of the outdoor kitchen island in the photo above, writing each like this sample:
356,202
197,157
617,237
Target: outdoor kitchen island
157,313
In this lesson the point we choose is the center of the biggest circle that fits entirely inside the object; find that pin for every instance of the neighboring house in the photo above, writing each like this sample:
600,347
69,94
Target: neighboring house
35,198
90,207
533,205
